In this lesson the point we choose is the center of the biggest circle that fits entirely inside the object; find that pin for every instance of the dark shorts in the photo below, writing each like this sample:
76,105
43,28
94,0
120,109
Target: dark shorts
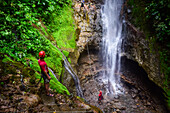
45,78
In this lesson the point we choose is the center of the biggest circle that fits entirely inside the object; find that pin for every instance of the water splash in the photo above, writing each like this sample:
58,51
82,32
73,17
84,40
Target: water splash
111,46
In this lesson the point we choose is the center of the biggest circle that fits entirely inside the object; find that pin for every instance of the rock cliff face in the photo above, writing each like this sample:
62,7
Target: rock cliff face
136,49
140,49
89,28
88,38
135,45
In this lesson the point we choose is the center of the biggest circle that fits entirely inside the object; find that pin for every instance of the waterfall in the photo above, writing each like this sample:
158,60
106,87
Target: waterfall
76,81
73,74
111,44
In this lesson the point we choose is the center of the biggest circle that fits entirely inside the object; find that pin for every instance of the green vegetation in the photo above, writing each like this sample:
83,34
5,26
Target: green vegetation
156,14
28,27
65,36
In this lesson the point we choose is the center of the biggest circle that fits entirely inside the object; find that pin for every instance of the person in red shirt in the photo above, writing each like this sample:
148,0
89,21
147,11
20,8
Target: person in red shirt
44,72
100,97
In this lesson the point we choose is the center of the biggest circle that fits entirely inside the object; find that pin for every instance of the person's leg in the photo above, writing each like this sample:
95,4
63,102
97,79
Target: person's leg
99,100
47,88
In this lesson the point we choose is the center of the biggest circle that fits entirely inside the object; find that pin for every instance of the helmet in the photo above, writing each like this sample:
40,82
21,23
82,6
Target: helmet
41,54
100,91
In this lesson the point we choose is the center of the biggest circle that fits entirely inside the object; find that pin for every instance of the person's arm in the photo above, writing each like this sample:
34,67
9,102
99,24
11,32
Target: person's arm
46,71
49,78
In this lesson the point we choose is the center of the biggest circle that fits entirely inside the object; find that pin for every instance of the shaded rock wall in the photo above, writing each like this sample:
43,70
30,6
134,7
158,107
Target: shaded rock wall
138,48
146,90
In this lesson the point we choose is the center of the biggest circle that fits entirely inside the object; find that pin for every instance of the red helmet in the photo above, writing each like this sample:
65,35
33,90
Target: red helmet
100,91
41,54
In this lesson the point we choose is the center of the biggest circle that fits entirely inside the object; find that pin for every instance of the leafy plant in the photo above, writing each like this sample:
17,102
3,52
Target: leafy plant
21,32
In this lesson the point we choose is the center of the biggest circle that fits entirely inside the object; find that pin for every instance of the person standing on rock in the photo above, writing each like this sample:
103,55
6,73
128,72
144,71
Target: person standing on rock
44,72
100,97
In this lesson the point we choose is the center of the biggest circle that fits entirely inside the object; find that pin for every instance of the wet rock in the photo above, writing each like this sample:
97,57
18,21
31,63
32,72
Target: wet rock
134,95
4,107
136,99
3,97
129,11
31,100
65,108
90,34
137,48
118,111
116,96
116,100
134,106
148,104
45,109
126,92
84,106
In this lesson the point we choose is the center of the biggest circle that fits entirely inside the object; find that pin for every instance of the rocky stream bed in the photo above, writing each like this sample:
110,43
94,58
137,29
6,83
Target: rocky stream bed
137,93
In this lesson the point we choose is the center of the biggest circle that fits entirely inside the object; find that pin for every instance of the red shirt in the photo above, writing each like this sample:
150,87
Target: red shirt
43,65
100,94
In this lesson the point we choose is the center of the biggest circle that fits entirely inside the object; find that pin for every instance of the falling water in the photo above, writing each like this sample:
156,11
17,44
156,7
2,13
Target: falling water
112,30
76,81
71,72
74,76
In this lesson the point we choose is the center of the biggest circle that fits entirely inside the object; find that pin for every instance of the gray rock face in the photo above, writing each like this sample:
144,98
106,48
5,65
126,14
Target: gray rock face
141,49
88,21
89,64
138,48
88,35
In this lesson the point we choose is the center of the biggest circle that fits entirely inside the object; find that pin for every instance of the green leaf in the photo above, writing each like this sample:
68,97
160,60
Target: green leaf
8,18
51,8
17,12
33,5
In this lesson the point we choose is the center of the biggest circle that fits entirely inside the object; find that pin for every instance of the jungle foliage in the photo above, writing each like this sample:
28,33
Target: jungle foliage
29,26
18,37
153,18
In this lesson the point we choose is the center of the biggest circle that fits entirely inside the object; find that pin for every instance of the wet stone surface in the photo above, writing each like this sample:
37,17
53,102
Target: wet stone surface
135,92
134,96
34,99
128,101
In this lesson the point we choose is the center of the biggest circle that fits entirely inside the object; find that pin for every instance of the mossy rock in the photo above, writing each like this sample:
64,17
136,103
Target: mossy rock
27,72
